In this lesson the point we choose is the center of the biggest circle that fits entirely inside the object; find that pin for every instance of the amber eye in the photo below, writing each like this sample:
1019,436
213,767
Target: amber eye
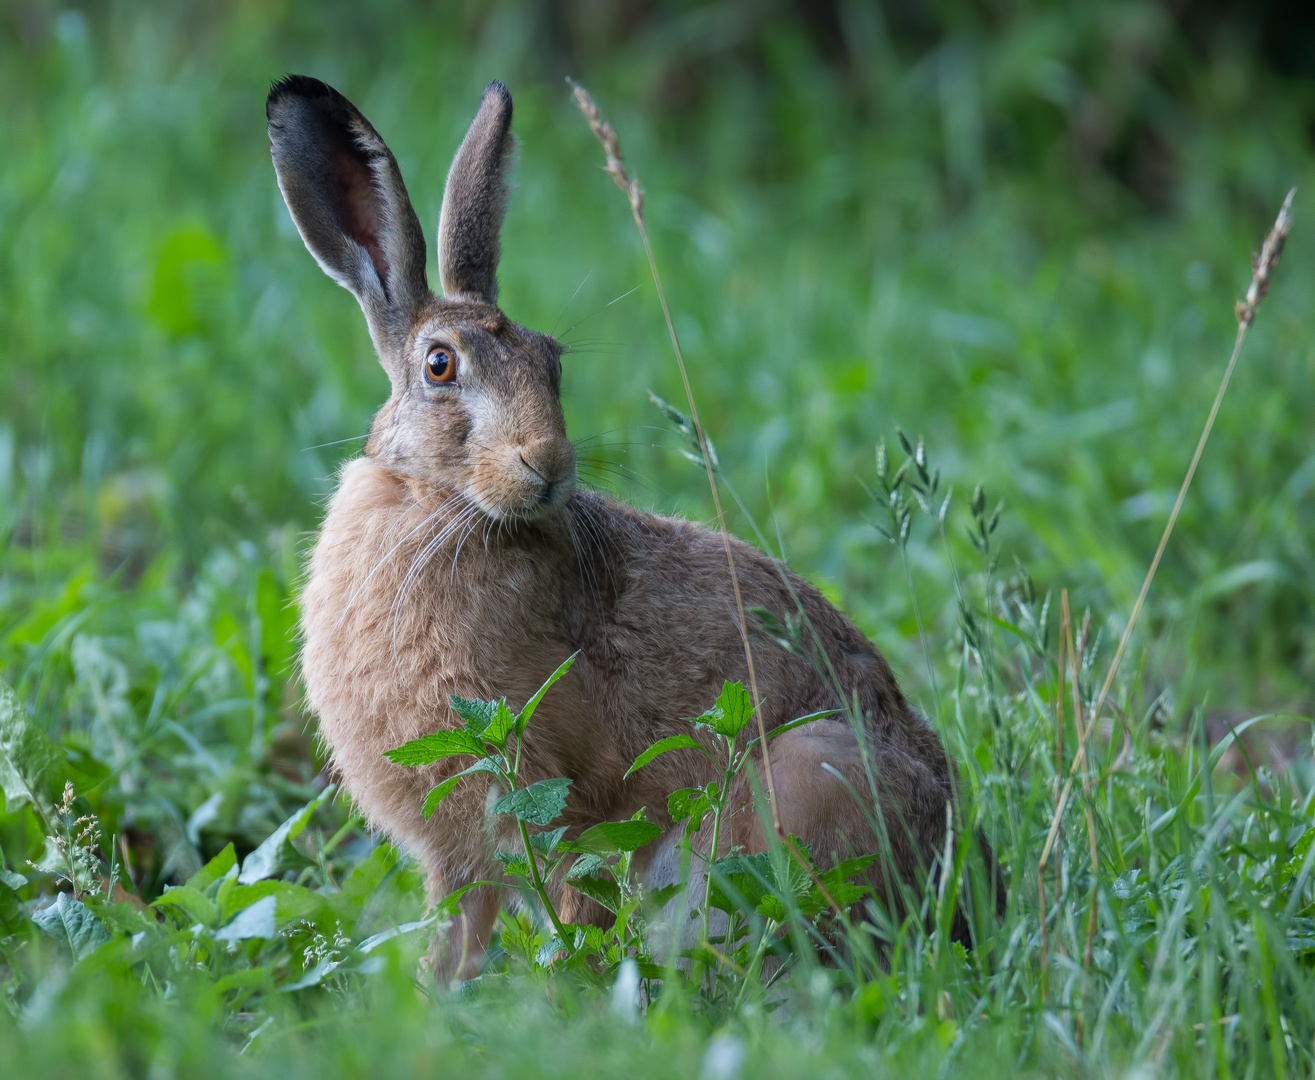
440,366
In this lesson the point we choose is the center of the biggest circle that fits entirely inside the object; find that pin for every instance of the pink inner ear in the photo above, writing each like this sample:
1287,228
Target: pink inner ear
360,207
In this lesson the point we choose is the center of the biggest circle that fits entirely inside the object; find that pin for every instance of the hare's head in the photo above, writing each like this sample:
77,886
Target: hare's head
475,406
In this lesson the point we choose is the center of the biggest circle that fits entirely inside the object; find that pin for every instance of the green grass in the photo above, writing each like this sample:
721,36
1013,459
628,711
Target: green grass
953,236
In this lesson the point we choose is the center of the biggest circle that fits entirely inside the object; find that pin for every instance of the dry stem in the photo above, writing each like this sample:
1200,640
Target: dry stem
1262,269
616,169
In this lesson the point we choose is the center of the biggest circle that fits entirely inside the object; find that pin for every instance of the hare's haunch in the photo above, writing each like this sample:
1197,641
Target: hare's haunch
458,557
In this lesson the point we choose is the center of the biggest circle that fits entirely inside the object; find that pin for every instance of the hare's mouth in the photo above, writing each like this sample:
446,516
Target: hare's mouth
519,484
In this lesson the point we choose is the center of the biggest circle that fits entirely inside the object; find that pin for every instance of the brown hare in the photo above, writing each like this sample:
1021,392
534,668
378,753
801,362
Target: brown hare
458,557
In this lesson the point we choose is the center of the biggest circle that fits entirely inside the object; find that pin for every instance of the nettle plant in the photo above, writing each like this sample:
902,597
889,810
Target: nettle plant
757,894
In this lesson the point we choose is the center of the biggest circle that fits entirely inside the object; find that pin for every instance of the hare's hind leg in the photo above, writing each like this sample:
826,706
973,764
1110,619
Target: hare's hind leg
824,798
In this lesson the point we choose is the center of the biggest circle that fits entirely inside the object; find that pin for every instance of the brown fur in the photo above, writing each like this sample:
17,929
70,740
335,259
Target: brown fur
457,557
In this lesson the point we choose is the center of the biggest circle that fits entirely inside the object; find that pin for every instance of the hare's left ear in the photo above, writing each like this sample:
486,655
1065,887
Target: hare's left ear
475,200
345,193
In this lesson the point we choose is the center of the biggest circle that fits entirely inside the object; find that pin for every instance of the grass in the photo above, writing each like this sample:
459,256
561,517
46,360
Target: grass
922,241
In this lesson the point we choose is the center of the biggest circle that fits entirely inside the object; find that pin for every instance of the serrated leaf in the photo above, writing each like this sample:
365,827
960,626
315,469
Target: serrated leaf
662,746
585,865
513,863
73,924
603,890
539,804
30,760
434,747
268,858
730,713
440,792
842,871
545,842
686,803
615,837
476,714
533,703
548,950
663,896
502,724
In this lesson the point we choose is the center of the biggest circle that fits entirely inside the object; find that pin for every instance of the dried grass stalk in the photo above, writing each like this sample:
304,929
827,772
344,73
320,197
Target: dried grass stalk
1263,266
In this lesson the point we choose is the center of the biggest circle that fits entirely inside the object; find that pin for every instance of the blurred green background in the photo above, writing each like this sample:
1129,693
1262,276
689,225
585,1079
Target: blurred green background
1017,228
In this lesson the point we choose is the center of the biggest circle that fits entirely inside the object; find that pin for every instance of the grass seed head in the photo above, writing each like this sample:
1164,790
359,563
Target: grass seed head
1263,264
616,166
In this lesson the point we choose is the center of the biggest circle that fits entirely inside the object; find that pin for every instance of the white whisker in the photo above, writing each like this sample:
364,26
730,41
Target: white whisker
375,569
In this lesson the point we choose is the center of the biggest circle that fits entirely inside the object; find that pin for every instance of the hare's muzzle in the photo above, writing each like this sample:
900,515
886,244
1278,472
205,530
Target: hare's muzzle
528,479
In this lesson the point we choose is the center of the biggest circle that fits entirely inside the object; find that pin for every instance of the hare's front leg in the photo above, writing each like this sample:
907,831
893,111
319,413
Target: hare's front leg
458,952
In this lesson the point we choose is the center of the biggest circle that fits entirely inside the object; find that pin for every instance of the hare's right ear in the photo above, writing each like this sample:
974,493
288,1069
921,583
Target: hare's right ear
346,195
475,200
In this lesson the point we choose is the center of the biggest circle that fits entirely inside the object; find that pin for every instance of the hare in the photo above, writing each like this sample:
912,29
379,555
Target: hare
458,556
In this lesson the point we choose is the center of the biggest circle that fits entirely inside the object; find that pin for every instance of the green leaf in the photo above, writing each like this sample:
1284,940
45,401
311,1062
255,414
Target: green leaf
293,901
513,863
533,703
449,903
476,714
373,942
539,804
662,746
586,866
313,977
614,837
31,762
256,921
12,912
658,898
502,725
362,883
442,791
215,869
192,902
740,881
730,713
546,842
267,859
434,747
72,923
800,722
605,891
688,802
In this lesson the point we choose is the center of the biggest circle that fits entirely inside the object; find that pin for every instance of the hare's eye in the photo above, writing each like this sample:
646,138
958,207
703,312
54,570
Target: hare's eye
440,366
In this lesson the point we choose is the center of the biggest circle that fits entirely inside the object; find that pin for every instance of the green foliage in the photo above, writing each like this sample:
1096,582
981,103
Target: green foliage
540,803
29,760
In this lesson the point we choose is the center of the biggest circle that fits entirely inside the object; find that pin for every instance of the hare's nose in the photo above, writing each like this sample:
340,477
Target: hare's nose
551,461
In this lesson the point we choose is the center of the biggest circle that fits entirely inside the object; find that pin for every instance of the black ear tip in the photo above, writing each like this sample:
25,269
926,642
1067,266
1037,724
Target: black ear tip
497,89
296,86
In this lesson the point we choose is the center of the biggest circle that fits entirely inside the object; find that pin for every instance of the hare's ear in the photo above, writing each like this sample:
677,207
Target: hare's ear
475,200
345,193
